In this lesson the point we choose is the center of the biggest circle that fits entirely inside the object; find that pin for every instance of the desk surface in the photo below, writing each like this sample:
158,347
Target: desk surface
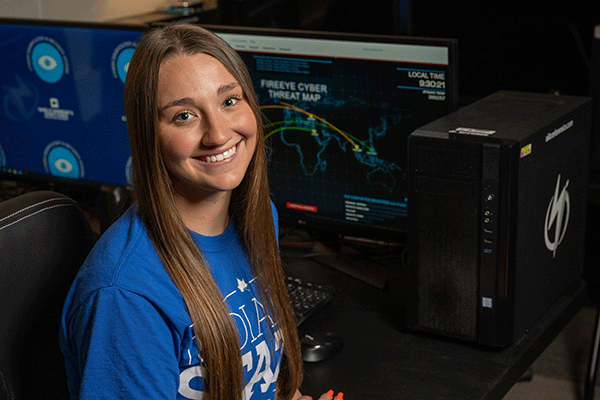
381,358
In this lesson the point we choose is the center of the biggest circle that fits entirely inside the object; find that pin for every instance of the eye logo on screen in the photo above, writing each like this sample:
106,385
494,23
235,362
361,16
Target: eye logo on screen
121,58
47,59
61,159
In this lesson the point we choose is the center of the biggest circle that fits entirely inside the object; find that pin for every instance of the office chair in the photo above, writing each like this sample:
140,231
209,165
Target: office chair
44,238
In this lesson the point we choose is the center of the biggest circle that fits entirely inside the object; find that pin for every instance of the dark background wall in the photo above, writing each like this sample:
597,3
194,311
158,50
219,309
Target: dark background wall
531,45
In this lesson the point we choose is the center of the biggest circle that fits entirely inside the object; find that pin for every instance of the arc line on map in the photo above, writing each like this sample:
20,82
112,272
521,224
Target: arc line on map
293,107
285,128
273,124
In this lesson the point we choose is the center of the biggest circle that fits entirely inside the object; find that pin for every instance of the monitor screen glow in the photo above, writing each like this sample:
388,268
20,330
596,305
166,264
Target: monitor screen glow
339,109
61,101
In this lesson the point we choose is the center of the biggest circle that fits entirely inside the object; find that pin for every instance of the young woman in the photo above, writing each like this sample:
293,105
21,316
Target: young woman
184,295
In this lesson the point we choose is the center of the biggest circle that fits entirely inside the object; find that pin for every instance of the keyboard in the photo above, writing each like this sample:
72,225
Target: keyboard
307,298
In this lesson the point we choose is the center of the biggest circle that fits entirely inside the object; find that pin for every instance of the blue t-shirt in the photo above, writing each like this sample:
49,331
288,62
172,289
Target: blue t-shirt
126,332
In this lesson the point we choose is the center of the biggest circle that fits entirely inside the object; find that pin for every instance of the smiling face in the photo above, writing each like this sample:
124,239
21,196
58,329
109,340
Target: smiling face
206,127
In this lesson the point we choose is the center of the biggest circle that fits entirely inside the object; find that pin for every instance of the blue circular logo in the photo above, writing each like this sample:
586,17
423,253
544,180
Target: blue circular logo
123,62
62,160
47,62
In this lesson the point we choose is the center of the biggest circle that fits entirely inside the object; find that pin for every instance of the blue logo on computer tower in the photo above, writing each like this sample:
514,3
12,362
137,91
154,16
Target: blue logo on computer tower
61,159
47,60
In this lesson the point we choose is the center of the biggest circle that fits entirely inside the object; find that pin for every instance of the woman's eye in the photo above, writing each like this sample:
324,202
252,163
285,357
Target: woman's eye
230,101
183,116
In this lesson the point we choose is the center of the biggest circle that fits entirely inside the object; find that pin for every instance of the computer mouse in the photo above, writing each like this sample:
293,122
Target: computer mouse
320,346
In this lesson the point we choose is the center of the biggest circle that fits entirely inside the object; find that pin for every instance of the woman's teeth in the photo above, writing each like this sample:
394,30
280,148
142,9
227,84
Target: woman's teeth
220,157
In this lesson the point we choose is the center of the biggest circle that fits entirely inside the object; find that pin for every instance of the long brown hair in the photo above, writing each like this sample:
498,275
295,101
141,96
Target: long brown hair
215,330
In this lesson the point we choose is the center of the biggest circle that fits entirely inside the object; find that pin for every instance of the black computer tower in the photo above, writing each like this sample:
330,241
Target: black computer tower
497,213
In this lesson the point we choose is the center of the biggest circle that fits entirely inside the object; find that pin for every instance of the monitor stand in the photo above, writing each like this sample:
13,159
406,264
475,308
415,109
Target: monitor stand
346,264
338,256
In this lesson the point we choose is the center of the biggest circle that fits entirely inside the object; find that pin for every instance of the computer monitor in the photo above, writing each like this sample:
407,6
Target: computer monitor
339,110
62,116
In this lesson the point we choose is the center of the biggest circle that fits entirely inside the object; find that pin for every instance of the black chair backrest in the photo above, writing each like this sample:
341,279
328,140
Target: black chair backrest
44,239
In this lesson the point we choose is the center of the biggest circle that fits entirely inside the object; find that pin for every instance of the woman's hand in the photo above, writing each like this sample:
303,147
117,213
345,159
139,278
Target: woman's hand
326,396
